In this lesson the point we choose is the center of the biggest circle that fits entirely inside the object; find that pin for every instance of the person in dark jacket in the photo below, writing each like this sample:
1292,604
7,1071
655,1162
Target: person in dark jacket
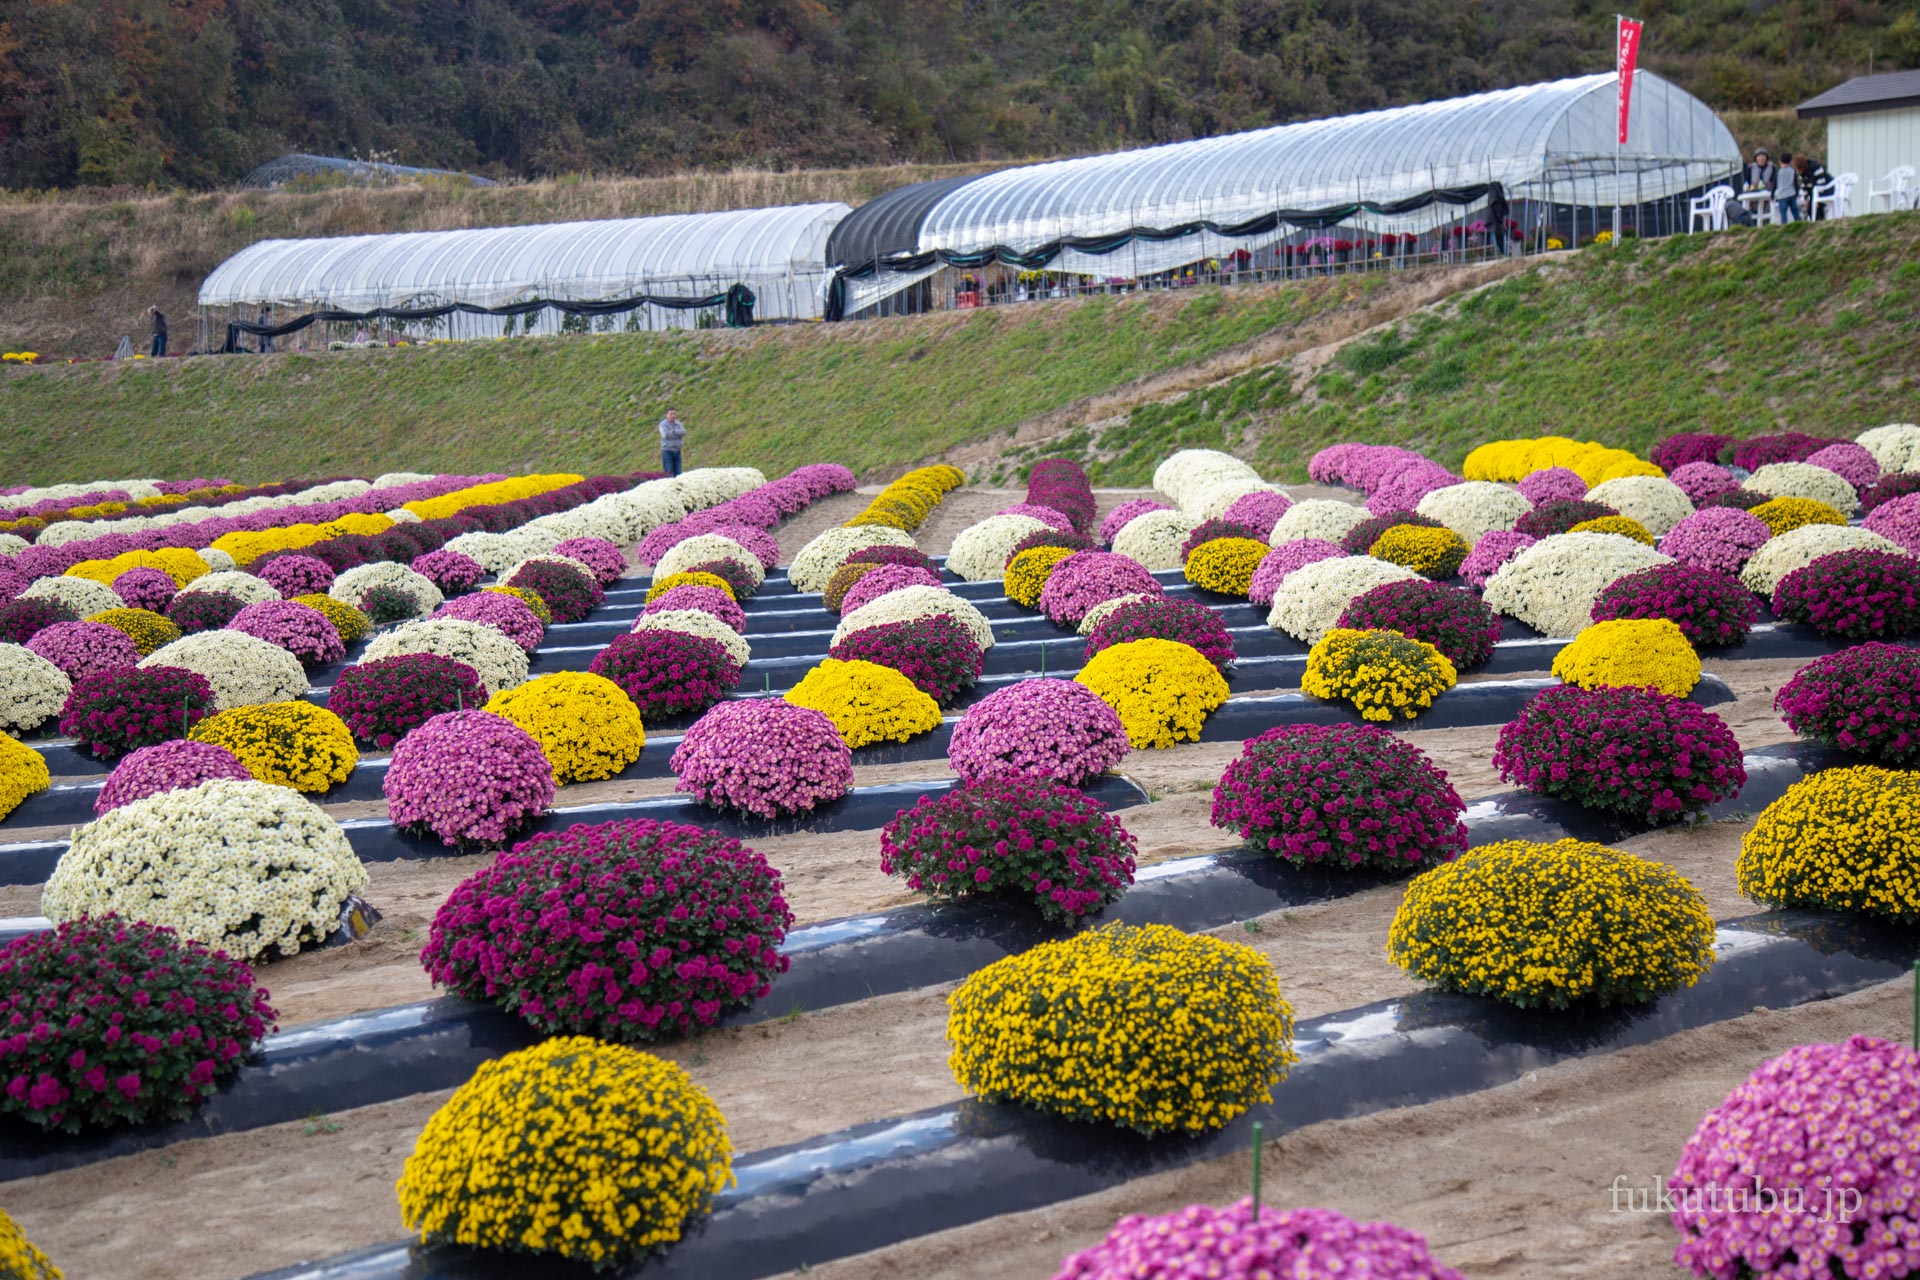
265,317
159,319
1762,173
1812,174
1497,214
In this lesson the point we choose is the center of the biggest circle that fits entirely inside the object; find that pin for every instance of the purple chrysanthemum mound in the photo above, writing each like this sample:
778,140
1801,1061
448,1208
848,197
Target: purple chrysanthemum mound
571,594
763,756
196,611
1864,699
23,619
1826,1131
1008,834
13,582
1884,490
1062,484
1682,448
1045,515
167,766
1088,578
1549,483
1457,623
384,700
82,648
1260,510
667,673
1220,527
118,710
1558,515
471,778
1852,462
1158,618
605,558
1898,521
1359,540
1231,1244
1718,538
885,580
1403,490
1362,466
936,653
1788,446
504,613
625,931
145,589
1709,606
1703,480
1493,550
1115,520
1043,728
1346,795
293,575
1853,595
454,573
891,555
306,633
1283,560
710,600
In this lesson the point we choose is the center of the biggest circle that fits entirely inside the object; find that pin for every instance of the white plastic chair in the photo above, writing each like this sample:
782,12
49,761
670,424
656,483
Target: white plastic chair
1836,195
1896,189
1711,207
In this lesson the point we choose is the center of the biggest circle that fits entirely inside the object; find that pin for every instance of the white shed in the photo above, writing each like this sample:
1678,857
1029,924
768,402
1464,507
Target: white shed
1873,127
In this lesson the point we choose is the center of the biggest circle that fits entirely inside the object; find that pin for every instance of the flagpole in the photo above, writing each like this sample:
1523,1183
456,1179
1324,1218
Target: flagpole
1620,87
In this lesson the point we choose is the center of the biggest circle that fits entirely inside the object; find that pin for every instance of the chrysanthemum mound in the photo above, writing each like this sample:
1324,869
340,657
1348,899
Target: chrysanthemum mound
289,744
570,592
1841,840
1551,925
1042,728
23,772
247,867
1853,595
1146,1028
498,661
1089,578
1553,584
82,648
667,673
1431,553
120,1022
866,701
148,630
1157,617
1864,699
909,603
1624,652
1163,690
763,756
508,615
472,778
1232,1244
1634,751
305,633
935,653
385,699
1384,674
166,766
33,689
241,669
18,1255
1710,608
1342,795
114,712
630,1150
585,723
626,931
1009,835
1155,538
1785,552
1457,623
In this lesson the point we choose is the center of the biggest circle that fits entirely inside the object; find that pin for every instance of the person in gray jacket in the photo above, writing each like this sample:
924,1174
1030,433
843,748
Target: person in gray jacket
1786,191
673,434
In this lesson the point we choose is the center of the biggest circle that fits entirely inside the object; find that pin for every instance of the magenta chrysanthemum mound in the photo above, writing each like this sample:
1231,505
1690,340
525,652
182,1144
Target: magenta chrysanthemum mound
1347,795
1864,699
1718,538
471,778
306,633
167,766
605,558
1045,515
1283,560
1115,520
1559,515
626,931
385,699
293,575
1853,595
1756,452
936,653
1852,462
1156,618
1012,835
1493,550
1827,1131
883,580
667,673
1362,466
1043,728
1898,521
1900,484
1062,485
455,574
196,611
1703,480
1231,1244
1088,578
1711,607
708,600
1259,510
122,709
512,618
763,756
1457,623
82,648
1220,527
145,589
1686,447
571,594
1549,483
23,619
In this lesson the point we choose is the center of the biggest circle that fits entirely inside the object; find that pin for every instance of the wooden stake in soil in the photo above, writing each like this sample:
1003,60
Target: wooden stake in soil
1258,1129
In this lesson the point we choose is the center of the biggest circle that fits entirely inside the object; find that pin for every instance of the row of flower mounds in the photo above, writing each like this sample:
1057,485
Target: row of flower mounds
377,1057
863,1188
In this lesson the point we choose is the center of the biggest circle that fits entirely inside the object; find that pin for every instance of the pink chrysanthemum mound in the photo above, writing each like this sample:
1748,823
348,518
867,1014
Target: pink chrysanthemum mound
296,575
167,766
1552,482
1898,521
1703,480
1717,538
1403,490
1115,520
606,559
509,616
13,582
1283,560
1231,1244
82,648
1045,515
1852,462
143,589
711,600
1088,578
885,580
1260,510
454,573
1042,728
307,634
470,777
1493,550
763,756
1828,1131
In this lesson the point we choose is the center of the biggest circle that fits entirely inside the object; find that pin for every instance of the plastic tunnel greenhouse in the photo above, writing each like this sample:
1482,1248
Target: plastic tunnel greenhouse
1432,178
678,271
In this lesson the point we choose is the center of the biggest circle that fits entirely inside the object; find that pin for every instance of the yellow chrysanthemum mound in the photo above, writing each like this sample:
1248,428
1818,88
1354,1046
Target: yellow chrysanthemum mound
23,772
1651,652
1625,526
1783,515
595,1152
245,546
1513,460
1162,690
178,563
289,744
19,1260
1384,674
1431,553
490,493
1027,573
353,625
1840,839
148,630
661,586
532,600
1144,1027
586,724
907,502
866,701
1548,925
1226,565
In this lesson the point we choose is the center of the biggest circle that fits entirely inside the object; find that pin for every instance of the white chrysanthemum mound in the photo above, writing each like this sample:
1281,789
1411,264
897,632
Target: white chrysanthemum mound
246,867
697,622
217,560
1309,601
352,586
61,532
82,595
1098,614
1804,480
1317,518
500,662
1212,502
400,515
1798,548
979,552
1153,540
32,690
647,506
1474,509
247,588
1551,585
705,547
1896,446
394,479
711,486
12,544
495,551
1657,503
813,566
910,603
242,669
565,562
597,519
1183,476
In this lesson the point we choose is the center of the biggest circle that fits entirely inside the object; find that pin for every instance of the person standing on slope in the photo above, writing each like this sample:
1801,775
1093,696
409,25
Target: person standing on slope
673,434
159,319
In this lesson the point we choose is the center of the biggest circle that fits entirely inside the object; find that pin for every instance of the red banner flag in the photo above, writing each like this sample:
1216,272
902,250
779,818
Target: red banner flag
1626,53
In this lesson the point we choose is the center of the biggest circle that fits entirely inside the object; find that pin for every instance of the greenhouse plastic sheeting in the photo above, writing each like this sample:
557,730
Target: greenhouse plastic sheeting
778,253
